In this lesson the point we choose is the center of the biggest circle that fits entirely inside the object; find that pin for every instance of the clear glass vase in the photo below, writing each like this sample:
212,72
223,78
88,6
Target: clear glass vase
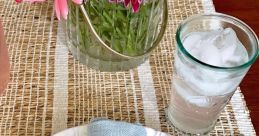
110,37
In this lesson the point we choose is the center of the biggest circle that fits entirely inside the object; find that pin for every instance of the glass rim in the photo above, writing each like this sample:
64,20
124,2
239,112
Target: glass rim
220,15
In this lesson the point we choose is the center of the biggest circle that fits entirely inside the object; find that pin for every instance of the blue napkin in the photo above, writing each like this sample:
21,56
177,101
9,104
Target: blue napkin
105,127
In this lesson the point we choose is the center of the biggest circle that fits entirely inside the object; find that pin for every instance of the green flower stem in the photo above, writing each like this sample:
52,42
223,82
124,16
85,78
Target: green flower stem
124,31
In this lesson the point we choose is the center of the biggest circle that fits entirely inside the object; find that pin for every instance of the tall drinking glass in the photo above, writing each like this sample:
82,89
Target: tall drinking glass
4,62
213,54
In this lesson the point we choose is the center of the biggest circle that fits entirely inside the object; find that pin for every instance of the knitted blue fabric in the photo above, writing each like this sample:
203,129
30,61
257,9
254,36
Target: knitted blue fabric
104,127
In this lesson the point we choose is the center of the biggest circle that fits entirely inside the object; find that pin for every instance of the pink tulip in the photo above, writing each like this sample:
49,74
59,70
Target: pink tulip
78,1
116,1
135,4
60,6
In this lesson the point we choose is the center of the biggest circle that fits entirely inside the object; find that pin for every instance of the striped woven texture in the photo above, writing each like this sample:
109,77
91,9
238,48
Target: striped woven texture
50,91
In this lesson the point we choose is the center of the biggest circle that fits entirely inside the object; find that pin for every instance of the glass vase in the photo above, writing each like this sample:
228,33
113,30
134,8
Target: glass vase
111,37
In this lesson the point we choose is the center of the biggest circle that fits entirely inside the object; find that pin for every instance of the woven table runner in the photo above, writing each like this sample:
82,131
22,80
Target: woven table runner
50,91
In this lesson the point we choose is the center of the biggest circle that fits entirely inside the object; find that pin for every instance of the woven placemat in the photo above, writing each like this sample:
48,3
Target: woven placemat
50,91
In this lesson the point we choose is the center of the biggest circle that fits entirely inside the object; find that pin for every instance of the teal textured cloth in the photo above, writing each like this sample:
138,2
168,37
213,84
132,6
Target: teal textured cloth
105,127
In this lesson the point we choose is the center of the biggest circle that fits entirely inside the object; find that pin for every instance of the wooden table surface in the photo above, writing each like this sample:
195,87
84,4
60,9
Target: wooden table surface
248,11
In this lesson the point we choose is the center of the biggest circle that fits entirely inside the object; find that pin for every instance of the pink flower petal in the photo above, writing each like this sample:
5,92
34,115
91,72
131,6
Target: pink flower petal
57,9
140,1
63,8
78,1
126,3
135,5
18,1
112,1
